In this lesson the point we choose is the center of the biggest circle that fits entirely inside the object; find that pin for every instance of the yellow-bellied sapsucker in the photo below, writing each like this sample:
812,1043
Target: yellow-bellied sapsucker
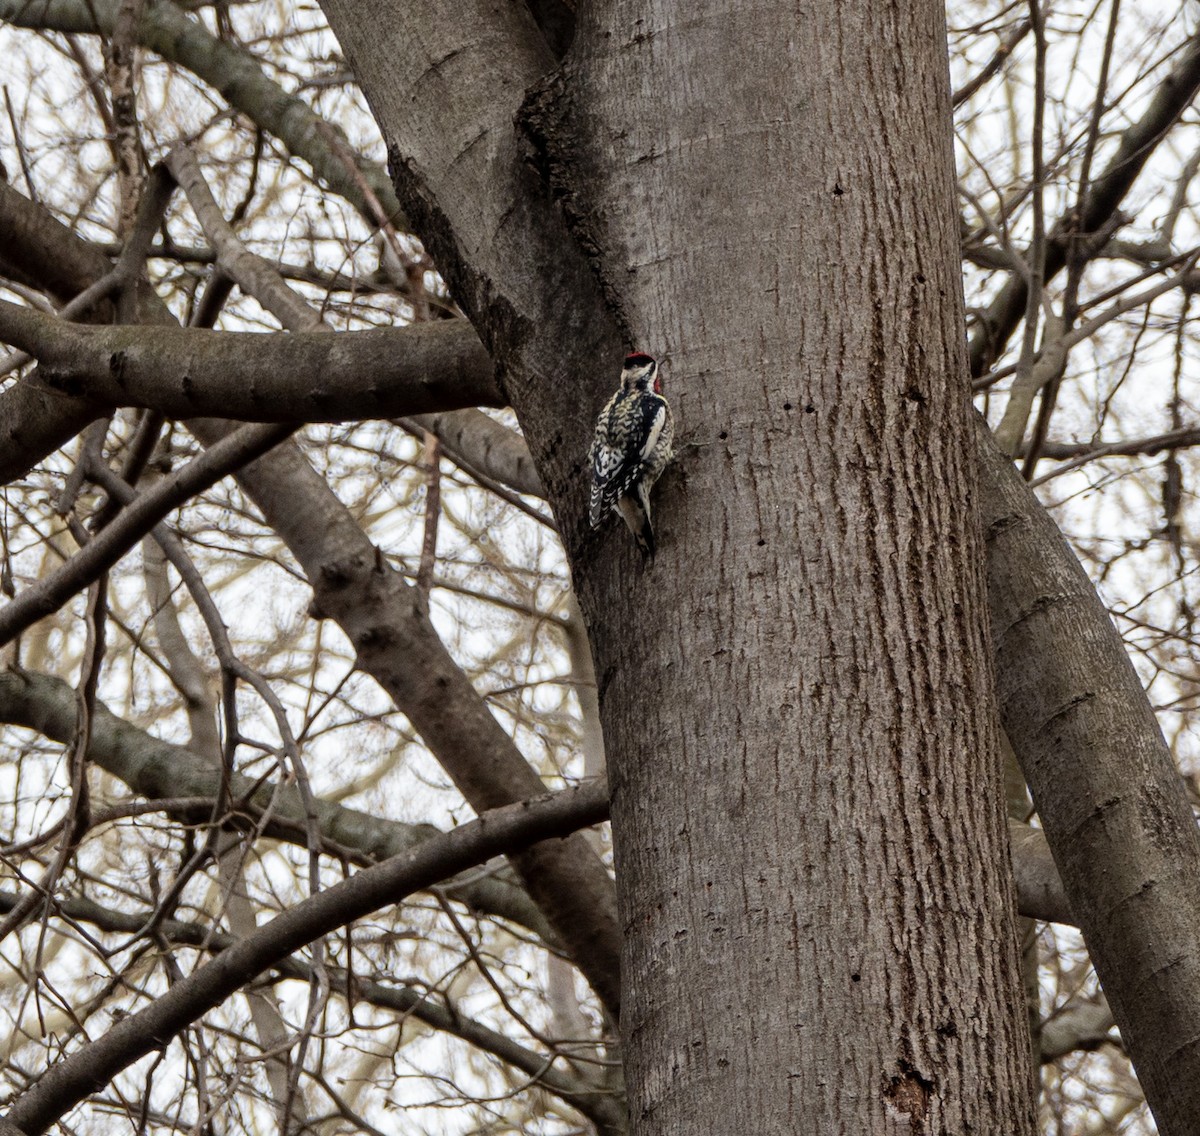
630,449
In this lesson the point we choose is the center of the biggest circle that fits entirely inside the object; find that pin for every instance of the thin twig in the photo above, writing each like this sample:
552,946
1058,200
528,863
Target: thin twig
79,814
502,830
22,157
1079,251
1020,400
1006,48
433,510
223,458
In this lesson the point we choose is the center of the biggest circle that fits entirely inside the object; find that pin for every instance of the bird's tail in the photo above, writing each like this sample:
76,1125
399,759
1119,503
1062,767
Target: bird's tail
636,511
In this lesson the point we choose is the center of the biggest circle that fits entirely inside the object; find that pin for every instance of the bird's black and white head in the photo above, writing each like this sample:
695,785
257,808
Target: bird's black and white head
641,373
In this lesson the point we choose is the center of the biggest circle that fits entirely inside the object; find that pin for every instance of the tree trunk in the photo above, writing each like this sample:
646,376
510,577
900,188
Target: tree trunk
797,696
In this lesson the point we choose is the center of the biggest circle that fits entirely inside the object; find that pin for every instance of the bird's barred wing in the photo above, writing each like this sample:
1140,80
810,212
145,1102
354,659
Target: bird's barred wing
628,432
606,460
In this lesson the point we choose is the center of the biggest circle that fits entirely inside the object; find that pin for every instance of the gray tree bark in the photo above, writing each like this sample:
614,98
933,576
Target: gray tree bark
1106,789
806,664
809,657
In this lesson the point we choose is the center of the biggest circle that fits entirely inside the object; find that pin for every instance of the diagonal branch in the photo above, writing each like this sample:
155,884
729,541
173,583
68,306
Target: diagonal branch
231,70
399,647
1106,789
255,276
481,445
1137,144
590,1101
159,770
104,550
387,621
495,833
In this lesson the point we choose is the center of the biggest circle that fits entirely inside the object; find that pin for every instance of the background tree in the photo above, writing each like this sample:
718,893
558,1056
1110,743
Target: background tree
319,651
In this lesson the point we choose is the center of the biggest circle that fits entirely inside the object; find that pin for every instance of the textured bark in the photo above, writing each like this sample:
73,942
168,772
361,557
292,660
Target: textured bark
445,83
797,696
484,446
1105,787
299,377
812,879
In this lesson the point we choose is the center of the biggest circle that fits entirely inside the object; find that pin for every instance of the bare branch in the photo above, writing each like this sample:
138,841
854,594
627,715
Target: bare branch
127,142
590,1101
227,68
481,445
103,551
387,620
1007,46
161,771
253,275
1077,1026
35,418
1108,191
500,831
294,377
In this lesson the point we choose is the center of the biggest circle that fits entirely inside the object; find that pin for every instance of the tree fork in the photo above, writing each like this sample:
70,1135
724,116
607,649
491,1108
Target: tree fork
786,234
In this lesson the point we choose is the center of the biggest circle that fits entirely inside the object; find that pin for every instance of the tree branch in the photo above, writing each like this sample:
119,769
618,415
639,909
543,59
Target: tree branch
158,770
481,445
131,524
35,417
228,69
501,831
297,377
255,276
1106,789
387,621
1136,146
407,1001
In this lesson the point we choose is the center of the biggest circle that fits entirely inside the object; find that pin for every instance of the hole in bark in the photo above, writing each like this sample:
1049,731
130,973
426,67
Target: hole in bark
909,1092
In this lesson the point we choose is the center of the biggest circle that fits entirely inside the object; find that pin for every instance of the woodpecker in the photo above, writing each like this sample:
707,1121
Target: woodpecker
630,449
